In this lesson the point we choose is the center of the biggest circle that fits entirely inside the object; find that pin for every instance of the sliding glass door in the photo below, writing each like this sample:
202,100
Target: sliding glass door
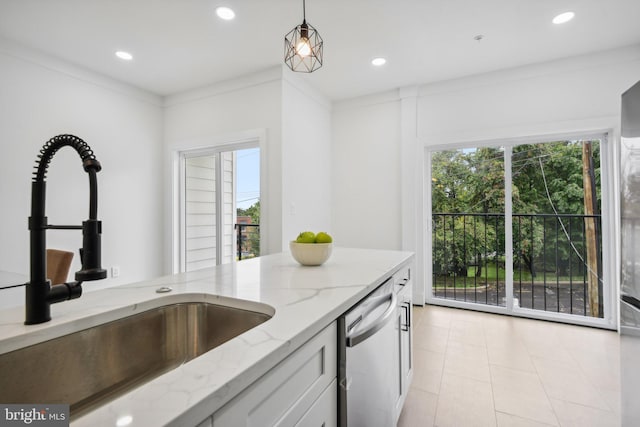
557,229
219,206
467,192
517,228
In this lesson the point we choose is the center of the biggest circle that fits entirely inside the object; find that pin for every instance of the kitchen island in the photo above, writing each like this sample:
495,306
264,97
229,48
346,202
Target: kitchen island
302,301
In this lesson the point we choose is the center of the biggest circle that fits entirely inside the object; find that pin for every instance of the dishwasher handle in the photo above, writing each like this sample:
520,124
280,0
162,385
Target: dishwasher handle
355,339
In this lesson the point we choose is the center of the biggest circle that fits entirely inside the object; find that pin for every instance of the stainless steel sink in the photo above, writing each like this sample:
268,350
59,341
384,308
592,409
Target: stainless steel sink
88,368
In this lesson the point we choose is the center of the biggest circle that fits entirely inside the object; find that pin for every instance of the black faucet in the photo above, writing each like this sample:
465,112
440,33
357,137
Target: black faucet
39,292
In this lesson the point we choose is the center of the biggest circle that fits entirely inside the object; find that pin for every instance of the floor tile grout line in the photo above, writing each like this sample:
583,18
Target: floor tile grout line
446,347
584,376
597,390
448,316
524,418
587,378
546,393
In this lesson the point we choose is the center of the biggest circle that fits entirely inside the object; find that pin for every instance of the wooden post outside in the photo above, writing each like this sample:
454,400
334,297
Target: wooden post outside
590,232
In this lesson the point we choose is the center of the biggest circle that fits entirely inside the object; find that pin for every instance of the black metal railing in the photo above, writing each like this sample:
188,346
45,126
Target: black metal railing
551,270
247,241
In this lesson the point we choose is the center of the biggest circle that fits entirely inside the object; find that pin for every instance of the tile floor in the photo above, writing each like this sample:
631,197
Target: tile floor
481,369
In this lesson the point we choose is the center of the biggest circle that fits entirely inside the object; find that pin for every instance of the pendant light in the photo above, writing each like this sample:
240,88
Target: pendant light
303,47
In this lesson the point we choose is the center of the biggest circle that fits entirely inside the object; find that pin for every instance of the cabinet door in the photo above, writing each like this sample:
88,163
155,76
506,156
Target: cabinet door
324,412
405,336
283,395
406,339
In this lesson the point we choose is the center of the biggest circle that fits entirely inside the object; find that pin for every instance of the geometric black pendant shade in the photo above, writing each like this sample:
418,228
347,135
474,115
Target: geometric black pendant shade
303,47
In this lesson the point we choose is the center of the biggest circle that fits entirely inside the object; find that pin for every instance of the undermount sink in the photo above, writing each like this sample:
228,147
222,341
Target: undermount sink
90,367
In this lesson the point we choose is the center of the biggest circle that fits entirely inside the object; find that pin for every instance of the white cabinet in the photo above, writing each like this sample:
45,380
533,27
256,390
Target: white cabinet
406,338
404,286
324,412
301,388
208,422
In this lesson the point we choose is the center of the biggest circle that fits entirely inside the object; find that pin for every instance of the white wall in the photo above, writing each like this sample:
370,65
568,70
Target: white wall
295,122
366,172
365,159
575,94
41,98
579,93
306,160
224,113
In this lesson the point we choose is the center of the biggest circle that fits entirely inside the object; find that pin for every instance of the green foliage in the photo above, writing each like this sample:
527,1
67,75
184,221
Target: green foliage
252,233
252,211
560,164
462,240
547,178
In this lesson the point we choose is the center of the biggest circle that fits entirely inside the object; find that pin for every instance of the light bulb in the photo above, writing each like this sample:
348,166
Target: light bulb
303,48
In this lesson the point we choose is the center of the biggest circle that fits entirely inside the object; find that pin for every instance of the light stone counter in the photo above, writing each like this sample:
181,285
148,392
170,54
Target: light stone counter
303,300
11,297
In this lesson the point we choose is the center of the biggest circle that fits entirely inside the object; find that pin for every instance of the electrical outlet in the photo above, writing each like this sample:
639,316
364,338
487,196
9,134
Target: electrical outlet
115,271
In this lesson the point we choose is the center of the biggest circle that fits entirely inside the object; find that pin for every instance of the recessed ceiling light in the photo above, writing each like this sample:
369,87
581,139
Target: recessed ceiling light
378,61
126,56
563,17
225,13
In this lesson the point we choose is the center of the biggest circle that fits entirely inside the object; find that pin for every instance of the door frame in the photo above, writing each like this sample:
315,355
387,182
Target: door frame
229,142
608,214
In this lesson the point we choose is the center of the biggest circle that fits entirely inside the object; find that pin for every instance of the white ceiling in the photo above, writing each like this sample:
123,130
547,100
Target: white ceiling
181,45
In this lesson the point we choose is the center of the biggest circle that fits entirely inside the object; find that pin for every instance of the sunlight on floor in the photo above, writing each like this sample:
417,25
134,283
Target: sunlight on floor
481,369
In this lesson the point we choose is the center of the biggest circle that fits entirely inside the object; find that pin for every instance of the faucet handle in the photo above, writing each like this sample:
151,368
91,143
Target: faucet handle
90,253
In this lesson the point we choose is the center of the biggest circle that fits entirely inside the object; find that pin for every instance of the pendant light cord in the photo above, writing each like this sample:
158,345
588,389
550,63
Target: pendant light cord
304,11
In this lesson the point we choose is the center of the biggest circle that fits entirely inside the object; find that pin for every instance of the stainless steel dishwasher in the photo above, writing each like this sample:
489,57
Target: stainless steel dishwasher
367,354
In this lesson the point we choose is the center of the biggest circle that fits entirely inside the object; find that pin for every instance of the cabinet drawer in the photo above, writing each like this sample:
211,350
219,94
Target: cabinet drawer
283,395
403,276
324,412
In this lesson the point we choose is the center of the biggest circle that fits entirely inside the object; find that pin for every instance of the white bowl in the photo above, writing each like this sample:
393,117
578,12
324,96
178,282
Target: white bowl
310,253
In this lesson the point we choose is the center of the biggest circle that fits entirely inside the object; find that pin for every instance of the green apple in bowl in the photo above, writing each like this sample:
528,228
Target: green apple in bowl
306,237
323,237
310,248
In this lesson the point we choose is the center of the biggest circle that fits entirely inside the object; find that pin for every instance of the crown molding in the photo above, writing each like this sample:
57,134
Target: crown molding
268,75
38,58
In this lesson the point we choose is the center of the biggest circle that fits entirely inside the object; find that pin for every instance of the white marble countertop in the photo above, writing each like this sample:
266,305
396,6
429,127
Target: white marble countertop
304,299
9,297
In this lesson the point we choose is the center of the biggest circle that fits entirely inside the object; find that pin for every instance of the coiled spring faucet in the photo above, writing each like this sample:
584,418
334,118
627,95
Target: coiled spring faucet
39,292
